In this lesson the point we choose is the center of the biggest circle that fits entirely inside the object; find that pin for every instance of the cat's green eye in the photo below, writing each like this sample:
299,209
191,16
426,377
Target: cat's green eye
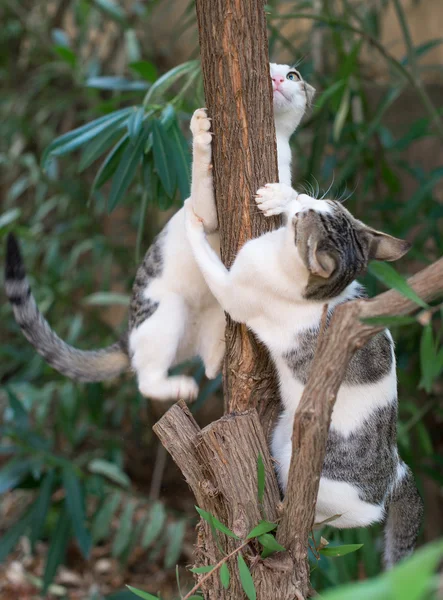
293,76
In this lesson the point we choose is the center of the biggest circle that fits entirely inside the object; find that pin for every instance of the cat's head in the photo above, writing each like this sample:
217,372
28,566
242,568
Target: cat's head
291,94
333,247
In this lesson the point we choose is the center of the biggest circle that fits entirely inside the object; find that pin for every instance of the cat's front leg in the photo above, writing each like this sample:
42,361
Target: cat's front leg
202,186
277,198
213,270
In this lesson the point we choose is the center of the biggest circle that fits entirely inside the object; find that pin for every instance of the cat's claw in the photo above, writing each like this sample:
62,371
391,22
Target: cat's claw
273,198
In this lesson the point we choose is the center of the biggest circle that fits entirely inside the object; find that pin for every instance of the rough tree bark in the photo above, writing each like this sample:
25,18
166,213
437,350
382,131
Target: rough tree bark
238,91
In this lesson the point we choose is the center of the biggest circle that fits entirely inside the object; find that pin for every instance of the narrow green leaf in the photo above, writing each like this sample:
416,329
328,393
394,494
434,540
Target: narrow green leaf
340,550
112,10
181,159
66,54
427,358
260,478
110,164
246,578
389,276
21,419
162,157
57,549
164,82
41,507
261,528
9,217
123,536
205,569
141,594
101,526
225,576
154,526
342,113
109,470
99,145
175,534
74,502
145,69
13,473
107,299
270,543
135,123
411,579
76,138
329,93
216,523
126,169
10,538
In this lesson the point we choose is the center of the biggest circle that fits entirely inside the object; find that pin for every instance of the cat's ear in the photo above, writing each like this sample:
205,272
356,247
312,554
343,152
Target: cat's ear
310,92
385,247
320,262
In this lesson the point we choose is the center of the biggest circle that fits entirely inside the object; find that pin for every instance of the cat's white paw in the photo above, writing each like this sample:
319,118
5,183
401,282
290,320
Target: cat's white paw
200,127
178,387
273,198
193,222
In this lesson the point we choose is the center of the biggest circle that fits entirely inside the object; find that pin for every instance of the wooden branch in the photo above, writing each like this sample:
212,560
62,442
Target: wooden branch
346,333
238,91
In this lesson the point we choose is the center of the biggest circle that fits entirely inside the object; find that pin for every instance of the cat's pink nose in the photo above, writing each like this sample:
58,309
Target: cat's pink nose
277,80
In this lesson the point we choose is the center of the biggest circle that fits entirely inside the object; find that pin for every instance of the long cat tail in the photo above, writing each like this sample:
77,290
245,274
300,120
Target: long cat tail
94,365
405,514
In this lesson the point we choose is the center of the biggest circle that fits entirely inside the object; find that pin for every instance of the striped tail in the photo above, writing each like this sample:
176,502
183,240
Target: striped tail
95,365
404,518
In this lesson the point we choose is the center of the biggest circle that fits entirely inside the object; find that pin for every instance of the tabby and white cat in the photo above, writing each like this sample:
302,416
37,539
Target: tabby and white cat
278,285
173,315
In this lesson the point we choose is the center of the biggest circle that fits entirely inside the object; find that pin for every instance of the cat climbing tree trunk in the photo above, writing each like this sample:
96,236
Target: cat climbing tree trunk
238,92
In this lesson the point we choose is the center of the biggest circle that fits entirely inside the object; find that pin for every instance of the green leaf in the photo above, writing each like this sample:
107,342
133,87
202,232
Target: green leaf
74,139
390,321
135,123
101,526
175,534
260,478
164,82
154,526
9,217
412,578
74,502
342,113
329,93
246,578
119,84
124,531
66,54
340,550
13,473
216,523
145,69
21,419
57,549
270,543
141,594
225,576
181,159
112,10
262,527
126,169
110,164
428,354
99,145
162,160
109,470
41,507
389,276
205,569
107,299
9,540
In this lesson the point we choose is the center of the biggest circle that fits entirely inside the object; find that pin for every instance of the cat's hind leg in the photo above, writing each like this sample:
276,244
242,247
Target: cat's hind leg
212,340
154,345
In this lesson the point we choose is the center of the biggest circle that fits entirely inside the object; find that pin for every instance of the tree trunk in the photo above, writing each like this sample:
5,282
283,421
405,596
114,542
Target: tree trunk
238,91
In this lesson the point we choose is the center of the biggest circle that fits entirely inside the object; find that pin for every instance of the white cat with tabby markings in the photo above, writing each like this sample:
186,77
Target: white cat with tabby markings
278,286
173,315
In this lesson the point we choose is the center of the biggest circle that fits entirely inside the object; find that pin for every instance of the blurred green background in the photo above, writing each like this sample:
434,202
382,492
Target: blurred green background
89,501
